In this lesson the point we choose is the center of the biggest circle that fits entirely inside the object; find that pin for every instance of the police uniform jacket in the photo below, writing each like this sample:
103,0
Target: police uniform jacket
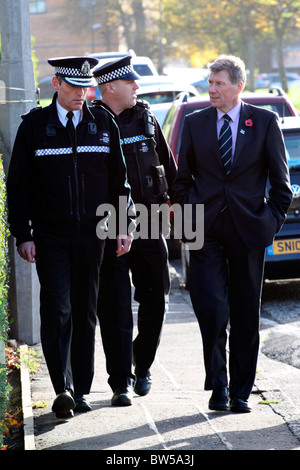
56,190
151,167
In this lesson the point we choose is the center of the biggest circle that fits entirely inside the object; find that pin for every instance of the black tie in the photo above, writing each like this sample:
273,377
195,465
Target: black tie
71,129
225,144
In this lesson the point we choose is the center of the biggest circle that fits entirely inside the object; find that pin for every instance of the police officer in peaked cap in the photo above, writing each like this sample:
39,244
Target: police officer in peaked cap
60,172
151,170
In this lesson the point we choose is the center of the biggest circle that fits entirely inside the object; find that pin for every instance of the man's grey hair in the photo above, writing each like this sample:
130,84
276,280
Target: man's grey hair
234,65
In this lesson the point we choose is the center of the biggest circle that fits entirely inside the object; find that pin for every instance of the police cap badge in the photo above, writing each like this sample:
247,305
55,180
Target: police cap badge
76,71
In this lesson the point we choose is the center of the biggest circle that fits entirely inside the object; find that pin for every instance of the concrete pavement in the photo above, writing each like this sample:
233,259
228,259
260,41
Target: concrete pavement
174,418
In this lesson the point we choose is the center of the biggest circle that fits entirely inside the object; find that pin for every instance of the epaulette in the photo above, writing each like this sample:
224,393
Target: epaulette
33,110
96,103
143,103
99,104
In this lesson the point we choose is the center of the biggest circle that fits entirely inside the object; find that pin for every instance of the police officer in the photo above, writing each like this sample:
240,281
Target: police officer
151,170
66,162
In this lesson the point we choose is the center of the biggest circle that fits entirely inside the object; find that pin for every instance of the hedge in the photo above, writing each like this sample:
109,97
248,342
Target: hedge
4,388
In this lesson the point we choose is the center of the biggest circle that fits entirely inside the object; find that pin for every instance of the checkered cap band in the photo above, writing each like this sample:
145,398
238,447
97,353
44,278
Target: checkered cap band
72,72
115,74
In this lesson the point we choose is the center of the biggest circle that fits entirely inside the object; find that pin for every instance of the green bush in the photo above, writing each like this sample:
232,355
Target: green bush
3,299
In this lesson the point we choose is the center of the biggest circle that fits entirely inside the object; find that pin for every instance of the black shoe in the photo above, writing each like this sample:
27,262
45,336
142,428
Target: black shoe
63,405
238,405
143,385
81,405
219,400
122,397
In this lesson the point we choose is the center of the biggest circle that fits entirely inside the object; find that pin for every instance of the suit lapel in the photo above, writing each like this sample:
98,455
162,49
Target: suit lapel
211,133
244,132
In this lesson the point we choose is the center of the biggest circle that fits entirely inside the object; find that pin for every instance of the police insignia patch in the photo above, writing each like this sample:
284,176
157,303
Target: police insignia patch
85,68
92,128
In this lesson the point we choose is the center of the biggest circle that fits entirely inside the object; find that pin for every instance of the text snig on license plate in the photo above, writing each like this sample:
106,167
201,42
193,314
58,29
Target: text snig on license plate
284,247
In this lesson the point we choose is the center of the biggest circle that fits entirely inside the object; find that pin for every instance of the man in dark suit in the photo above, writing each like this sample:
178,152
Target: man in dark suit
226,273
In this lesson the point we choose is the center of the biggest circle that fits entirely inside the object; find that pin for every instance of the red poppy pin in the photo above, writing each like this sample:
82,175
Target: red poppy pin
248,123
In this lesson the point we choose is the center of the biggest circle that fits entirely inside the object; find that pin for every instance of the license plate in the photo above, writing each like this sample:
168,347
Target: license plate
284,247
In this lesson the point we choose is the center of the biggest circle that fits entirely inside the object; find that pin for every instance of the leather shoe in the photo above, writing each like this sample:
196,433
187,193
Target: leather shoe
219,400
63,405
238,405
143,385
81,405
122,397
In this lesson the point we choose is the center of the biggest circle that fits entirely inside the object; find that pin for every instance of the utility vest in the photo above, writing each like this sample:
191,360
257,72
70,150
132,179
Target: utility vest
145,173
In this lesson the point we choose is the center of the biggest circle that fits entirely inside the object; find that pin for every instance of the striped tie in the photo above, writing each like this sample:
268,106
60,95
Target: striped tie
71,129
225,144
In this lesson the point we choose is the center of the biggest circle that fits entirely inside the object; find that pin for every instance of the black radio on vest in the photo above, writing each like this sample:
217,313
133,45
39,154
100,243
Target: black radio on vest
149,123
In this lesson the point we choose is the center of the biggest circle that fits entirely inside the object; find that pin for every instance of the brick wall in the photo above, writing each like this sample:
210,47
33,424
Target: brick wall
53,38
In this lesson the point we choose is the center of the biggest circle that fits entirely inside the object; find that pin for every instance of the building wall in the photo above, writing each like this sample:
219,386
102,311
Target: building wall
53,38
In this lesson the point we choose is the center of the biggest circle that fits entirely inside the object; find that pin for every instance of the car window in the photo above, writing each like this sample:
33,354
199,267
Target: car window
158,97
142,69
280,108
168,122
292,145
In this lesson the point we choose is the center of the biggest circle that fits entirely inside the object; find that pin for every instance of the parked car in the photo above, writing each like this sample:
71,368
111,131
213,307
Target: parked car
294,83
202,84
283,256
274,79
282,259
268,80
276,101
142,65
160,92
261,81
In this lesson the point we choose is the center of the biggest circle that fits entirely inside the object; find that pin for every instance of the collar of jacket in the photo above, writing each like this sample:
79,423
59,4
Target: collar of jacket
101,104
53,119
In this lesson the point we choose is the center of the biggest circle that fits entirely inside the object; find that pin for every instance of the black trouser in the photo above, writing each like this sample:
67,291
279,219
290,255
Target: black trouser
225,286
148,262
68,270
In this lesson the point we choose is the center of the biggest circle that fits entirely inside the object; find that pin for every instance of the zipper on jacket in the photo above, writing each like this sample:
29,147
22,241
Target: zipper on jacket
83,192
76,187
70,194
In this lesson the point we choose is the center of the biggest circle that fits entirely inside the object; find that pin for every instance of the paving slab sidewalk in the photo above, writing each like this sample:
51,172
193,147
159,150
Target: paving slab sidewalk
174,418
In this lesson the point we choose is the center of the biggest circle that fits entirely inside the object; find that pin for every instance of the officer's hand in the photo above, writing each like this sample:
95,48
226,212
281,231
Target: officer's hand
27,251
123,244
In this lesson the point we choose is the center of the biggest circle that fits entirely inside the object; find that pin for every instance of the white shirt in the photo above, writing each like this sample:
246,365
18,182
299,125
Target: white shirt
234,115
62,115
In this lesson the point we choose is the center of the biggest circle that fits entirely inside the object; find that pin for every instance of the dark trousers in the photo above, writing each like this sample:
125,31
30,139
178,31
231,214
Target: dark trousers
148,262
68,270
225,288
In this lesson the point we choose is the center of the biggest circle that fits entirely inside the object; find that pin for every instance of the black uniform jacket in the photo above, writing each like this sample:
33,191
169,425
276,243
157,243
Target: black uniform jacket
55,190
160,148
259,155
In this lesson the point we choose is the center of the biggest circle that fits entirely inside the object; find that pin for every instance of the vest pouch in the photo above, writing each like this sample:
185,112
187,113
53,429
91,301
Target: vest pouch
159,179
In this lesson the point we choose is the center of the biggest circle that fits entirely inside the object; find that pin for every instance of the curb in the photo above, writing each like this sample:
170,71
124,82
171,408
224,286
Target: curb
28,427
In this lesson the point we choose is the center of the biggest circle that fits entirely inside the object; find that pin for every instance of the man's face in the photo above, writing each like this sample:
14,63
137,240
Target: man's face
222,93
69,97
124,93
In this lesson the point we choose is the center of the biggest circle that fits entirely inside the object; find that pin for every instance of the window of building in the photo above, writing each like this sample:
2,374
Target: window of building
37,6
